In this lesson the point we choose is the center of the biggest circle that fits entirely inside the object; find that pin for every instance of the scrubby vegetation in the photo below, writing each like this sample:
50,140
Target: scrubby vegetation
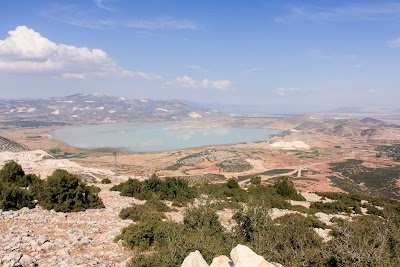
235,165
285,188
170,188
13,192
65,192
172,242
377,181
151,209
61,191
367,240
392,151
255,180
106,181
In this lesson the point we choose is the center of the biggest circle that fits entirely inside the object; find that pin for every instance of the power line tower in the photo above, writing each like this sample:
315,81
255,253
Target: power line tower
115,161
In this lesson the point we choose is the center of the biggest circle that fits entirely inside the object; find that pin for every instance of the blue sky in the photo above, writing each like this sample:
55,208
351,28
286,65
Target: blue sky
276,55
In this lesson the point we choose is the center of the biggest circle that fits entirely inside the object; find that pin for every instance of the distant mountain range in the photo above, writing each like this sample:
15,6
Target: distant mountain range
366,109
317,124
86,108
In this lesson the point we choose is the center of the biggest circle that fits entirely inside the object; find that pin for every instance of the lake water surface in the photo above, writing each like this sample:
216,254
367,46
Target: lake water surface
147,137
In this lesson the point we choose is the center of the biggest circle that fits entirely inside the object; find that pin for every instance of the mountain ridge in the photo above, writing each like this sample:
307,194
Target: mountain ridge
95,108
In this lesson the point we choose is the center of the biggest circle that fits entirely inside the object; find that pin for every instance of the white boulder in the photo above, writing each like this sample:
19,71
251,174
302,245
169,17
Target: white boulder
194,260
243,256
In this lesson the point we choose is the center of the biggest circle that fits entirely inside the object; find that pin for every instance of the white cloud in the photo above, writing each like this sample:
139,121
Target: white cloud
26,51
188,82
185,81
220,85
286,91
148,76
394,43
372,91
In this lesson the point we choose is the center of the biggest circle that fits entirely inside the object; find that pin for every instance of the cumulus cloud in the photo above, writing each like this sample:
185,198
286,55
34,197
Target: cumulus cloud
27,51
286,91
188,82
394,43
184,81
372,91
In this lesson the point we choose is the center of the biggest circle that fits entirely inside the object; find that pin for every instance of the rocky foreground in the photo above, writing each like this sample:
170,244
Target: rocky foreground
37,237
241,256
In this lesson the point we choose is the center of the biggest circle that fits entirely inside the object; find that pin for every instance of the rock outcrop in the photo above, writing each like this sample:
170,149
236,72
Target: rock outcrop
241,256
10,145
194,260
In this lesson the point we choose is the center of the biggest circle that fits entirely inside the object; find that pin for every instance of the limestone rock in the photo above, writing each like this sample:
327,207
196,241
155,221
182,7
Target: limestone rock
243,256
27,261
42,239
221,261
194,260
14,257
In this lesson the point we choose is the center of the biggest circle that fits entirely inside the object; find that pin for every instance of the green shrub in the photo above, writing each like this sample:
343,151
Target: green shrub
157,205
255,180
223,192
11,172
142,212
334,207
285,188
142,235
65,192
232,183
13,197
170,188
106,181
365,241
266,196
202,218
288,241
171,242
62,191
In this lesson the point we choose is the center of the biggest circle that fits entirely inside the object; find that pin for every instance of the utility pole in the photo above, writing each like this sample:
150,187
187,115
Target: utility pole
115,161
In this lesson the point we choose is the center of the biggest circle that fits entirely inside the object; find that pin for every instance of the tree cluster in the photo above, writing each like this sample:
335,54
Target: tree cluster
61,191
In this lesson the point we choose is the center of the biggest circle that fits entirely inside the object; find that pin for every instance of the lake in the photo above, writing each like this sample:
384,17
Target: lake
150,137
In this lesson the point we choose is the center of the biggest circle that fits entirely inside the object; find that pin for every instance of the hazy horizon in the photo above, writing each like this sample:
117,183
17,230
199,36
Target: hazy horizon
276,56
